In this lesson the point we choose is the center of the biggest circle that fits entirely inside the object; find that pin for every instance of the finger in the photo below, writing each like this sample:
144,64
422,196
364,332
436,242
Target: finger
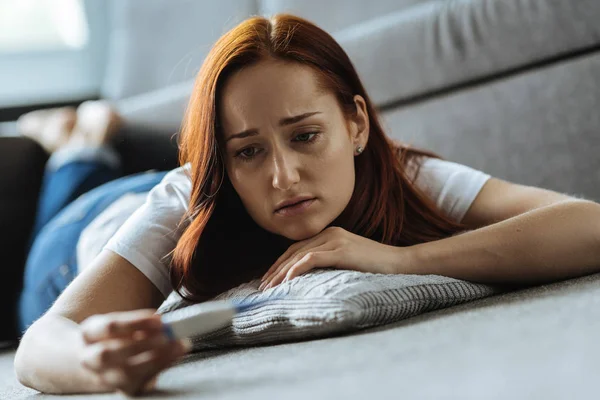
115,352
141,388
105,326
291,253
283,268
135,376
291,250
313,243
278,278
310,261
283,273
294,249
150,385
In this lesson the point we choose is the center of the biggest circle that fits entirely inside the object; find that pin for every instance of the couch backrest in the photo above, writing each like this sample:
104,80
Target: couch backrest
157,43
507,86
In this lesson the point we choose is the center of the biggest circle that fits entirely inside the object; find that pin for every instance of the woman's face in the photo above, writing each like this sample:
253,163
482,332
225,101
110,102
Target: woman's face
286,138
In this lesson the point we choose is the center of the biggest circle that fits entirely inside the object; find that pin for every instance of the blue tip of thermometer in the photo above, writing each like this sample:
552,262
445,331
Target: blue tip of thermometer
203,318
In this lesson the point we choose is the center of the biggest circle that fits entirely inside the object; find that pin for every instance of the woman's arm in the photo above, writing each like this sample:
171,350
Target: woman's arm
542,236
49,355
46,359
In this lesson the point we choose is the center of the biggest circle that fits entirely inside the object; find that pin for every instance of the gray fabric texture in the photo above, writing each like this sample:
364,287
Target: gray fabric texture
415,51
437,45
161,109
157,43
539,128
326,301
336,15
538,343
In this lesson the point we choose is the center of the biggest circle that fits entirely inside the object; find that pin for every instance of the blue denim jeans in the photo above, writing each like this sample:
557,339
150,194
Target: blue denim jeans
76,188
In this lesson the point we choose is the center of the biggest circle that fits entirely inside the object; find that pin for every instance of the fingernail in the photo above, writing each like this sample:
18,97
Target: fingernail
187,344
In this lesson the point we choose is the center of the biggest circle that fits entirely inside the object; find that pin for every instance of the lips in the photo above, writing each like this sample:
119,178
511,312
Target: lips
291,205
296,209
292,202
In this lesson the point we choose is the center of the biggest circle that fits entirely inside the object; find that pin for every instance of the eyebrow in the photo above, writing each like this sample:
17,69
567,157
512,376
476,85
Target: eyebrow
282,122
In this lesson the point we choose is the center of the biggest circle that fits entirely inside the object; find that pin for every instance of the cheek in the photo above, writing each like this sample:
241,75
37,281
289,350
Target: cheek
247,187
236,177
332,175
341,176
337,162
240,182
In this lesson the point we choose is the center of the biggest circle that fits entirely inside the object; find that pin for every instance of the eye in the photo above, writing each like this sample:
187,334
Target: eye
249,153
304,137
246,154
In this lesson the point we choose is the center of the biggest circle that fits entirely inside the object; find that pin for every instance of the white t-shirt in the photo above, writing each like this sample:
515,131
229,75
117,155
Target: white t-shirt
150,234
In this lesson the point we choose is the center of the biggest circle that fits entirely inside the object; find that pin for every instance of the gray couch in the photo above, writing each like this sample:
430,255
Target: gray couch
511,87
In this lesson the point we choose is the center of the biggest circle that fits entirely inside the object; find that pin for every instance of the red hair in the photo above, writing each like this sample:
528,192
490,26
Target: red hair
222,246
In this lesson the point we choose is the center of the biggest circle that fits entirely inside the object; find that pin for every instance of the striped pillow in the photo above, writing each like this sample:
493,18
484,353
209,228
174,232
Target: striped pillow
330,301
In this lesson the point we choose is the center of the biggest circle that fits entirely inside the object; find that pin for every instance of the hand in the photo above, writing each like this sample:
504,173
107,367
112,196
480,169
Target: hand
334,247
127,350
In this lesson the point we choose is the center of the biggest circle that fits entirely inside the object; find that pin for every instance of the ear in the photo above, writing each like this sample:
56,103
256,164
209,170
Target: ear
360,131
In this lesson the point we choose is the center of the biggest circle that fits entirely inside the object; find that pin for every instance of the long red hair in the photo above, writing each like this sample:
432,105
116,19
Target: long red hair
222,246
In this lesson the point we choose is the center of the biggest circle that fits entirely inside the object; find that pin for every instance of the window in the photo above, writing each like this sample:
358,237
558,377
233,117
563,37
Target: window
51,51
42,25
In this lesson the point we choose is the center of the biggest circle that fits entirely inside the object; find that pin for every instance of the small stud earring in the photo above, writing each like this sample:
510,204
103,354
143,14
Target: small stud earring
359,149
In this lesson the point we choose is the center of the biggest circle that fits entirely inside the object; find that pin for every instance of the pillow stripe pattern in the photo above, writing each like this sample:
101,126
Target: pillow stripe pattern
328,302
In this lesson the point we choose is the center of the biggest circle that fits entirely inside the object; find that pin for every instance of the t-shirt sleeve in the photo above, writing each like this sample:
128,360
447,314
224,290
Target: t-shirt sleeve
452,186
151,233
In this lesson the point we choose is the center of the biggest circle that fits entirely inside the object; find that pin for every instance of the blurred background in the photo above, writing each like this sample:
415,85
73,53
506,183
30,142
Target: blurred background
61,52
144,54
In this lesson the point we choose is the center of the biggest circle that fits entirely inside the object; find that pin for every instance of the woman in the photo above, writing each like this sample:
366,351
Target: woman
285,168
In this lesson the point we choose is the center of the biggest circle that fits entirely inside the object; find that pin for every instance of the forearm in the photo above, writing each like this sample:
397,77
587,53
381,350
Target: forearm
547,244
47,360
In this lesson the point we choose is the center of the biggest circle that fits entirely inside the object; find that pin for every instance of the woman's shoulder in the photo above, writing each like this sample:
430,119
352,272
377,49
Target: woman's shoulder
424,168
450,185
175,188
417,165
179,176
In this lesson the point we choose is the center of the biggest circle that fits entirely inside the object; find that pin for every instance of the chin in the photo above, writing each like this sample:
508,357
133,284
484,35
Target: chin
298,232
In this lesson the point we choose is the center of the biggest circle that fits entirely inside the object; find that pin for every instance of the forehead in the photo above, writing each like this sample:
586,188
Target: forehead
268,91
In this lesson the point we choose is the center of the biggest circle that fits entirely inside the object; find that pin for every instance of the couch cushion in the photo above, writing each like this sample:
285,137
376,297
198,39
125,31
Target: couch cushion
537,128
156,43
335,15
331,301
411,53
438,45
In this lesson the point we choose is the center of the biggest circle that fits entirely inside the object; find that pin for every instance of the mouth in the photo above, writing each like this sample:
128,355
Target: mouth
295,208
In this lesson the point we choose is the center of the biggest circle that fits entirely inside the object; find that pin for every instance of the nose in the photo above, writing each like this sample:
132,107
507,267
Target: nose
285,172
